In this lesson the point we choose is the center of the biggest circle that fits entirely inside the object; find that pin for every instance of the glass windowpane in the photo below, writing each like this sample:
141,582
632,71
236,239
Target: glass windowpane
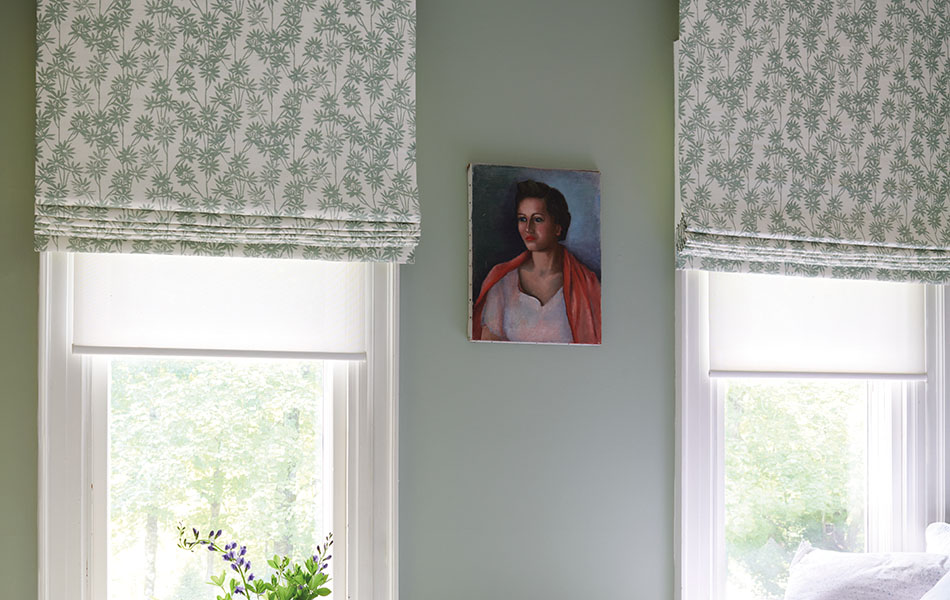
236,445
796,469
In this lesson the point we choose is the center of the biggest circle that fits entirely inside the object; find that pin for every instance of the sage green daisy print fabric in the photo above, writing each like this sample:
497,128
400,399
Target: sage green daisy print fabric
276,128
813,137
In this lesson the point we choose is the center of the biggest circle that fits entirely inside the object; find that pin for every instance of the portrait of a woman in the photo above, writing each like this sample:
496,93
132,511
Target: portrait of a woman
545,294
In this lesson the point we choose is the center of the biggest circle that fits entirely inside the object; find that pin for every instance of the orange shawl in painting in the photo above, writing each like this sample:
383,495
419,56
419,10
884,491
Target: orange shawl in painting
581,297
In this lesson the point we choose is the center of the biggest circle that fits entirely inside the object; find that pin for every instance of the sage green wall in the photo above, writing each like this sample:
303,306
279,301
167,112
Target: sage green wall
541,472
526,472
18,301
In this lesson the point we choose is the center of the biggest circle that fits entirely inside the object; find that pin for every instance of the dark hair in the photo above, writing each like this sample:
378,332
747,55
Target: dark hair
554,202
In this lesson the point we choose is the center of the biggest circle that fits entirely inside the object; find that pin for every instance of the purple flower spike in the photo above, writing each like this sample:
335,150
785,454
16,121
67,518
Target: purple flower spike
243,550
315,558
239,590
329,557
251,576
234,566
247,565
218,534
211,547
195,530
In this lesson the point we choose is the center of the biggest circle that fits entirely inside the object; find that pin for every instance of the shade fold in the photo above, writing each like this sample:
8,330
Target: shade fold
813,138
279,128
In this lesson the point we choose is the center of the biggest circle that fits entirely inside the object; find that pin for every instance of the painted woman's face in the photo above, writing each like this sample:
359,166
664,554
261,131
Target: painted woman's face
538,230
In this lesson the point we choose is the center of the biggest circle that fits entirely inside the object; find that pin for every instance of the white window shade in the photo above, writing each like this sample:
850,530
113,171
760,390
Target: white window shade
769,323
218,306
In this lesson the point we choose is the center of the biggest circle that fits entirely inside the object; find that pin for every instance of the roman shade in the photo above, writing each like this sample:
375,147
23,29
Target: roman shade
264,128
813,138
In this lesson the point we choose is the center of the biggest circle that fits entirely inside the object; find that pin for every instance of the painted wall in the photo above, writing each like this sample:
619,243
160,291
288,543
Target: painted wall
526,472
18,302
541,472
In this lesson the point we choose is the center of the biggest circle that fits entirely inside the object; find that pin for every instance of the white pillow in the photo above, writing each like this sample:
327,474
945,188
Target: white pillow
826,575
941,591
938,538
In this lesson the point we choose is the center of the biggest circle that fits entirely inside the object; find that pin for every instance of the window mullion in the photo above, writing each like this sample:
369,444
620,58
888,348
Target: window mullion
897,409
338,392
358,486
878,468
899,504
95,390
935,407
915,481
720,559
63,551
701,481
887,466
904,458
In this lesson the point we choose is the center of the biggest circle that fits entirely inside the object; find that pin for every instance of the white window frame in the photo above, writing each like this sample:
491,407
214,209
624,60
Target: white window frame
906,498
363,411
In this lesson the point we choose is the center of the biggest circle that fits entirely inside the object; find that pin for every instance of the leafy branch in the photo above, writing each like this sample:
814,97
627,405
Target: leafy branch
291,581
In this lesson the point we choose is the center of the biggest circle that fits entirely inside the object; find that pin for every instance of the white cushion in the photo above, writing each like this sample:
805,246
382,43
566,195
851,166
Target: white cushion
826,575
938,538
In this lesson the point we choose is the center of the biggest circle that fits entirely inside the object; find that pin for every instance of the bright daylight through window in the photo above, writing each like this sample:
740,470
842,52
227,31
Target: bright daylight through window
795,470
240,444
809,411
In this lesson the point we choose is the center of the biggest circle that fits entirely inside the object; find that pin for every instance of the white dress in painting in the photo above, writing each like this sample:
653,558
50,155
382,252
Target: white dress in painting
519,317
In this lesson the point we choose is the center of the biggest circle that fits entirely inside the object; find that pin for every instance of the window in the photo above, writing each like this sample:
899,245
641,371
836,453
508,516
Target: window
256,396
806,410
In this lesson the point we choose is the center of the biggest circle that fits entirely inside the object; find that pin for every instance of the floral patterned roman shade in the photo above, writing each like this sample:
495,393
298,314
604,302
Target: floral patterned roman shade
277,128
813,137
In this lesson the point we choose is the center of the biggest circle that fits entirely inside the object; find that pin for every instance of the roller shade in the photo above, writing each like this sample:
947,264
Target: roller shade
794,324
814,138
213,305
228,128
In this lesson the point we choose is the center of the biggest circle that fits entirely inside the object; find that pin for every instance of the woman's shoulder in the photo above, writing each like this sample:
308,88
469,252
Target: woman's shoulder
498,272
505,284
510,280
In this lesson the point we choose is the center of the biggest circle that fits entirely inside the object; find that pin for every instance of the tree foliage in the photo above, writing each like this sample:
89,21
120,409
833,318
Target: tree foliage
236,445
795,460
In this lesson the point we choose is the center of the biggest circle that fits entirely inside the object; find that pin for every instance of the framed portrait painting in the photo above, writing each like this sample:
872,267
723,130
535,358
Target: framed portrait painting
534,255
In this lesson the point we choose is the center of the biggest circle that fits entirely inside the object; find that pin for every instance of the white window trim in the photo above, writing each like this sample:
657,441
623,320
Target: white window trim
365,532
919,461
